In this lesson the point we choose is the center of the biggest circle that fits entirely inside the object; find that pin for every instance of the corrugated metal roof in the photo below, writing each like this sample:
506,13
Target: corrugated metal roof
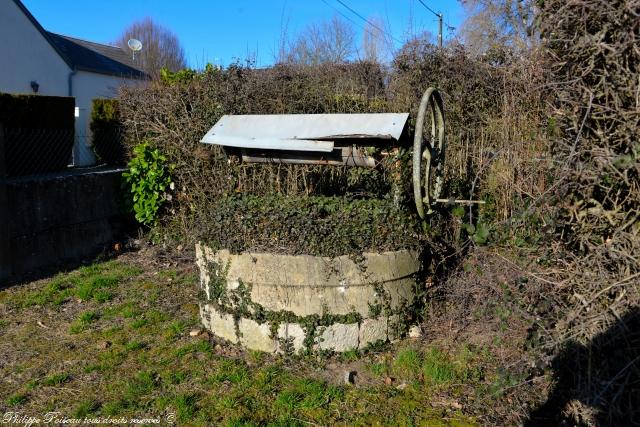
302,132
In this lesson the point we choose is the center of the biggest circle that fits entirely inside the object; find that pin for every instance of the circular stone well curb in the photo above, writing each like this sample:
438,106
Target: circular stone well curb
286,303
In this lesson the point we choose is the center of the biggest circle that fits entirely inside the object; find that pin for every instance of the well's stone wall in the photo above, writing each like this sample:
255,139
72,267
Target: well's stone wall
288,303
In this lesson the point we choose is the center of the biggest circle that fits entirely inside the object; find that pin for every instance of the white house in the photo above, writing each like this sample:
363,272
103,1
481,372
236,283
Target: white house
33,60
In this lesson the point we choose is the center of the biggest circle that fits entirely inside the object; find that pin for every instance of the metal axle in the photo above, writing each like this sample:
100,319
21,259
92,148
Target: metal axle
461,202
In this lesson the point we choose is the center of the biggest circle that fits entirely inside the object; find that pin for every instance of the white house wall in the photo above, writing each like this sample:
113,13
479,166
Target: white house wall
25,56
86,87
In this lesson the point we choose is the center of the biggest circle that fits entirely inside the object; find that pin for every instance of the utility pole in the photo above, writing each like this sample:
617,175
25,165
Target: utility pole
440,30
440,19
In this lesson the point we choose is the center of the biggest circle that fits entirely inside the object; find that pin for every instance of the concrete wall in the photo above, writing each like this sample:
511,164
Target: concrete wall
26,55
58,219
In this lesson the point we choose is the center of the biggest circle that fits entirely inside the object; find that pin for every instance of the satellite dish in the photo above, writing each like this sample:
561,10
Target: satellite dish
135,45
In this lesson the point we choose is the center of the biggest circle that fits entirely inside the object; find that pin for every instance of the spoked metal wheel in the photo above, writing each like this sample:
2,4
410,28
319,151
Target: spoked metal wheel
428,152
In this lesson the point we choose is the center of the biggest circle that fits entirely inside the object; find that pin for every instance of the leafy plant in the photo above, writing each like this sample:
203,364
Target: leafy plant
479,233
182,76
148,178
16,399
56,379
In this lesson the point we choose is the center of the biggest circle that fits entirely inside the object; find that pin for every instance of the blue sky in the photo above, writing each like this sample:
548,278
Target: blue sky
221,31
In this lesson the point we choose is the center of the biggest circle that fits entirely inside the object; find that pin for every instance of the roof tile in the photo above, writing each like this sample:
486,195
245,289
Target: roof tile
95,57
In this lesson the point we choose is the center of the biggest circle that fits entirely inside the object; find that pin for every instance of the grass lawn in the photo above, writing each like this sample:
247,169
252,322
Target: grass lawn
113,339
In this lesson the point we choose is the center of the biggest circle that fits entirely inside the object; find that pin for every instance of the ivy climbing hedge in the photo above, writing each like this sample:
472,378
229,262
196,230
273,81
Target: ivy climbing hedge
317,225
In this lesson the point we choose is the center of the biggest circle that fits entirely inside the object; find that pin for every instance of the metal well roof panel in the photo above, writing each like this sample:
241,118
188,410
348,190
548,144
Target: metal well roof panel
302,132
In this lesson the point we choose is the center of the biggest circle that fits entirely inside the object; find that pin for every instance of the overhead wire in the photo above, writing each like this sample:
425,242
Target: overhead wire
429,9
438,14
368,22
344,15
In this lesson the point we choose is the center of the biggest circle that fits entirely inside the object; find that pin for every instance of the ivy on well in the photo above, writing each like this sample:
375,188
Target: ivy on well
237,303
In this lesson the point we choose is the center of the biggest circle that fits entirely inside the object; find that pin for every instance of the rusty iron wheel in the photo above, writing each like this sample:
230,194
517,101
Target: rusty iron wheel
428,152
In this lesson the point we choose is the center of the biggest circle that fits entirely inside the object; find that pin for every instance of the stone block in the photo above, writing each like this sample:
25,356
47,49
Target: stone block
372,330
220,324
256,336
293,334
339,337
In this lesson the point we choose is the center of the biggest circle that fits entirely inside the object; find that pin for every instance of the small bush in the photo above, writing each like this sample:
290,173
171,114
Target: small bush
494,116
37,111
437,367
141,384
95,288
85,408
82,322
148,180
598,157
407,362
185,405
106,132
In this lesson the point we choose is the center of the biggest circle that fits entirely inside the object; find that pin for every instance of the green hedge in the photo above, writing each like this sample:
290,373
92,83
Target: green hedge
38,133
316,225
36,111
106,130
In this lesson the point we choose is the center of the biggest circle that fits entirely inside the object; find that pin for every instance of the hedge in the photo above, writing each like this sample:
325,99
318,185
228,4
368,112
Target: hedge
37,111
174,113
38,133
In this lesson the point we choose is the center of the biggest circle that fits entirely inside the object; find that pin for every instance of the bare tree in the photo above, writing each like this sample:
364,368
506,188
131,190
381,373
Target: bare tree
498,23
331,41
376,45
281,54
160,47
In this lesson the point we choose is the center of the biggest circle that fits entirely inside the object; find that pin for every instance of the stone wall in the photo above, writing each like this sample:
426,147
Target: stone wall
56,219
291,303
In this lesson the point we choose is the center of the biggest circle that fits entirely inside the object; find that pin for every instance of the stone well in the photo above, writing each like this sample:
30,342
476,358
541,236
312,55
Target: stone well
286,303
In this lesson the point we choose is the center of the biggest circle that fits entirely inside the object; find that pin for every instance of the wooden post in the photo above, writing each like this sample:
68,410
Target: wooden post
5,243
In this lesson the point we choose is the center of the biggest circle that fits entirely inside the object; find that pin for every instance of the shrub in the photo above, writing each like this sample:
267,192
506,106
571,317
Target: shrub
313,225
16,399
37,111
148,179
106,131
598,156
38,133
